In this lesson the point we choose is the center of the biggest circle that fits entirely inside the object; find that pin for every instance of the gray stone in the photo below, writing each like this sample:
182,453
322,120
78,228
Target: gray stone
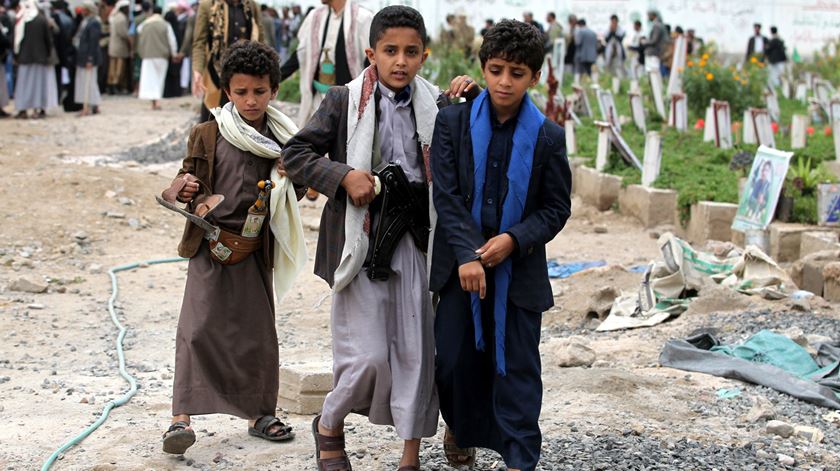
782,429
28,286
572,352
762,409
94,268
812,434
786,460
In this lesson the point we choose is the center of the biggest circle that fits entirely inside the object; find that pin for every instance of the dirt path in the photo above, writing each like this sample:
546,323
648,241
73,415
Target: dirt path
65,222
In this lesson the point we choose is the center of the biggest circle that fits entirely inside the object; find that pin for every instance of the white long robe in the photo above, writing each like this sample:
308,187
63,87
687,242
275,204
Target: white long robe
356,30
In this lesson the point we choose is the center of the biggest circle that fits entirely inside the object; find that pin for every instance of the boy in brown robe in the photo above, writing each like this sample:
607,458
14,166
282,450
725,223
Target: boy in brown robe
226,357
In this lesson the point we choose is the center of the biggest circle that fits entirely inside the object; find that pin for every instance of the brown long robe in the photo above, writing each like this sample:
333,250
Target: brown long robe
226,355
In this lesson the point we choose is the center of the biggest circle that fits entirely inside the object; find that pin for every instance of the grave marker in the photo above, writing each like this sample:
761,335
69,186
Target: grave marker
828,204
802,92
637,108
749,128
571,139
708,124
607,107
835,131
834,110
678,118
623,149
763,127
582,107
722,124
656,90
773,106
786,88
558,57
677,66
798,131
603,153
616,85
653,158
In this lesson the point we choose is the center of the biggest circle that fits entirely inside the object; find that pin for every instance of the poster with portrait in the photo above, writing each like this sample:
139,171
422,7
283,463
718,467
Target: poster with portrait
761,193
828,204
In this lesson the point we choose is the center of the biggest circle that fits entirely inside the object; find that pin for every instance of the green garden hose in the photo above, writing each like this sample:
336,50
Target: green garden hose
120,353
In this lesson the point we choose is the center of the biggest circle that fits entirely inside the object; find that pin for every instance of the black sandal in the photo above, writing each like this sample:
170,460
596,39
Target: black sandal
262,429
327,443
178,438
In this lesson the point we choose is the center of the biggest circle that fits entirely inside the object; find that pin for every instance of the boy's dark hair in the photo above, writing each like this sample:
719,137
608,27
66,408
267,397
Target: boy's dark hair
637,23
157,10
250,58
774,30
552,15
614,17
582,22
396,16
513,41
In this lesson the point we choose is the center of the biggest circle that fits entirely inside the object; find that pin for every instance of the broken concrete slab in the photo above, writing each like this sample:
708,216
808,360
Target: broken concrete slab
785,240
597,189
711,220
651,206
303,387
818,241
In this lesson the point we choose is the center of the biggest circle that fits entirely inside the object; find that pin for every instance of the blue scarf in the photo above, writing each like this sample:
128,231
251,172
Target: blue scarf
519,175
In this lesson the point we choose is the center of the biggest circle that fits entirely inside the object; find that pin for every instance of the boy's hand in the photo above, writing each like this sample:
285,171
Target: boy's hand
462,86
496,250
359,186
281,169
472,278
189,190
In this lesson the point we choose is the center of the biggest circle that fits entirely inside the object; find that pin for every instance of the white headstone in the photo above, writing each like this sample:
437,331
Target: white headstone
749,128
677,66
558,57
606,104
656,90
773,106
653,157
723,124
634,86
834,110
763,127
571,139
835,131
802,92
798,131
709,125
678,118
581,101
603,153
637,108
616,85
544,70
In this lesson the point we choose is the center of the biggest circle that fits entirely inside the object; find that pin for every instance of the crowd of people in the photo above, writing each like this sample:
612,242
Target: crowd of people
53,56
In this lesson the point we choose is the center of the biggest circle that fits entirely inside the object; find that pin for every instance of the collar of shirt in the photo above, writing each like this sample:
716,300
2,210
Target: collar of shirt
402,98
494,119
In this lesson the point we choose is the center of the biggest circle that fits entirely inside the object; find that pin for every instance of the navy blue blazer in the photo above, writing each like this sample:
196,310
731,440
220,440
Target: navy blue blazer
547,207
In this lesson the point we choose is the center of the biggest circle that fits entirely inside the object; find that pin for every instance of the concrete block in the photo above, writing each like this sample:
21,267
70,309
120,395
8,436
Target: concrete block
574,164
711,221
831,274
817,241
598,189
785,240
738,238
833,166
303,387
652,206
812,276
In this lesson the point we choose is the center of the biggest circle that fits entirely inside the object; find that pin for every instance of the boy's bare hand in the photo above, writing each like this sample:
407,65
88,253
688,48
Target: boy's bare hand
189,190
359,186
281,169
496,250
463,86
472,278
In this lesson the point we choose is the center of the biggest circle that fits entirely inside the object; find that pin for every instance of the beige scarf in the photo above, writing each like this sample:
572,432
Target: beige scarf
285,223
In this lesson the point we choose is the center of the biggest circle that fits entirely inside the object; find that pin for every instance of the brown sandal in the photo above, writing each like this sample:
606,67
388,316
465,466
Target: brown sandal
454,455
327,443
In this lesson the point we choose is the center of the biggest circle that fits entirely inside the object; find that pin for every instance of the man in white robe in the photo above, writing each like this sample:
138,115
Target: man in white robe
156,44
335,33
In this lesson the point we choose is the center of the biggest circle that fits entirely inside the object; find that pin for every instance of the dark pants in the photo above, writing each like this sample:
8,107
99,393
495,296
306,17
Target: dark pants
483,408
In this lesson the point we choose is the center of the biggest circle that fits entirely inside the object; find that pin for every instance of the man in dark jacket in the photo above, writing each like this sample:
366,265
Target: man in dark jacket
757,44
776,56
88,60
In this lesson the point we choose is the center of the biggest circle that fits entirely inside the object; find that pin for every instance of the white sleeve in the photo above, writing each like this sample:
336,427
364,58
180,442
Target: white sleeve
173,43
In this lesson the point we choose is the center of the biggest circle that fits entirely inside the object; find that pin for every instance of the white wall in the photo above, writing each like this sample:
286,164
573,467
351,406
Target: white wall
804,24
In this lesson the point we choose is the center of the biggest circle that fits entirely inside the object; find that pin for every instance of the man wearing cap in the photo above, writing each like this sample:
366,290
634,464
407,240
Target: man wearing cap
119,49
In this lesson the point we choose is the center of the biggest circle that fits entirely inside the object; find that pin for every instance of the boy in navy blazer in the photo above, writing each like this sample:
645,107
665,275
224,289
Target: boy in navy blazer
501,192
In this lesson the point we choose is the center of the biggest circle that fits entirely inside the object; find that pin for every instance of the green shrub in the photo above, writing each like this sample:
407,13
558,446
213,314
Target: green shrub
705,78
289,90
